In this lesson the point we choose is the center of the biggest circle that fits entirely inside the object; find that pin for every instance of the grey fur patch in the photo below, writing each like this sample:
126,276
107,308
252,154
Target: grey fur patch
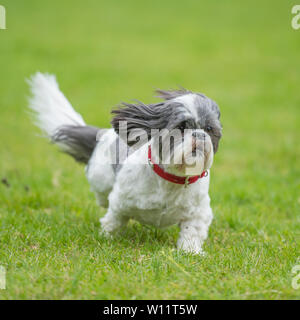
209,116
141,116
171,94
77,141
171,114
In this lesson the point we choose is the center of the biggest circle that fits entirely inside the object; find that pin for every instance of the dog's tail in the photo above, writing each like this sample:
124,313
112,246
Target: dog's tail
58,120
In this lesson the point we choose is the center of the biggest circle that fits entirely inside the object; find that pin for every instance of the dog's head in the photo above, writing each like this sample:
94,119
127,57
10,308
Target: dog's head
185,128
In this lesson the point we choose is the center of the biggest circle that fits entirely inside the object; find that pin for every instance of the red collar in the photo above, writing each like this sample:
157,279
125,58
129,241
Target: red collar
171,177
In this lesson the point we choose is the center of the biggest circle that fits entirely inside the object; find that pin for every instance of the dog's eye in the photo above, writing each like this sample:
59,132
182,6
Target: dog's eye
208,128
182,126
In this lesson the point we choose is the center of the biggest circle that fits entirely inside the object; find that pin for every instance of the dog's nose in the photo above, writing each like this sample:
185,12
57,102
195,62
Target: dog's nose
198,135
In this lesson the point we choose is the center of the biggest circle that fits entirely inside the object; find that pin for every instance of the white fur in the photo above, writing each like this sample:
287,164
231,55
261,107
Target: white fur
189,101
99,170
51,107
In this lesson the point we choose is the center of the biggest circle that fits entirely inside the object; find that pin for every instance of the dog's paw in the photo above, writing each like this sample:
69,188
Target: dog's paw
195,251
105,234
191,247
108,225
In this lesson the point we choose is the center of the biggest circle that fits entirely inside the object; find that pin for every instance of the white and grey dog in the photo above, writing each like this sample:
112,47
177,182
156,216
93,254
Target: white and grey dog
126,172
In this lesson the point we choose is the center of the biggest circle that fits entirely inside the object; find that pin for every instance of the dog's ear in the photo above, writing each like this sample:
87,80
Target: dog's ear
144,117
216,109
171,94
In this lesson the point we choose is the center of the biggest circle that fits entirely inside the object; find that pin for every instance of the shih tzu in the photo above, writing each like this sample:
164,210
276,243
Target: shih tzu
152,166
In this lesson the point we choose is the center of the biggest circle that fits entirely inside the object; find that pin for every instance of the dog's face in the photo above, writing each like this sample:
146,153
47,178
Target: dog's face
189,122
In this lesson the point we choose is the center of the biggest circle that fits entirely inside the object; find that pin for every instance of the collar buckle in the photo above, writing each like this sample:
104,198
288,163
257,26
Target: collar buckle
186,182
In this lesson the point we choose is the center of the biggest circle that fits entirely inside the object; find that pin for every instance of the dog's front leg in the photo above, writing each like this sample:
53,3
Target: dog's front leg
194,231
112,222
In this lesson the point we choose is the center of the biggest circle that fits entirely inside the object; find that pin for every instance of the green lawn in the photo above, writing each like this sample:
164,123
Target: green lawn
244,55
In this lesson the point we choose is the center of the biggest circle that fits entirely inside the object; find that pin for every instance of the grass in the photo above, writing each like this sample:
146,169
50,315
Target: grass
245,55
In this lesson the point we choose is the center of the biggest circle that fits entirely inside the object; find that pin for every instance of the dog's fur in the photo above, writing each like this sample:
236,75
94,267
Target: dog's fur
129,188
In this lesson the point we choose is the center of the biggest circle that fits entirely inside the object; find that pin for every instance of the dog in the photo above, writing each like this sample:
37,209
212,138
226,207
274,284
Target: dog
125,166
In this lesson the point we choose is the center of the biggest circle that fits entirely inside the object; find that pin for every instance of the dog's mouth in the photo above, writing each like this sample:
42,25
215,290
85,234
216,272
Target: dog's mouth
193,162
188,155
